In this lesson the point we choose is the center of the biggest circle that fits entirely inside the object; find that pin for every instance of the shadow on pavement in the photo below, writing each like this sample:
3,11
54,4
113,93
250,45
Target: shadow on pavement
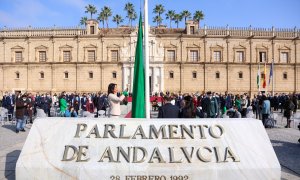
10,164
10,126
288,154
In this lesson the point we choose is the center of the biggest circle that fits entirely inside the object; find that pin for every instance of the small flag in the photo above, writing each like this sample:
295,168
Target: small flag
138,93
265,74
271,72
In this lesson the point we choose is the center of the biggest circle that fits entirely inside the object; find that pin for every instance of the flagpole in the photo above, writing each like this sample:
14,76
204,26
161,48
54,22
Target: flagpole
259,78
273,77
146,45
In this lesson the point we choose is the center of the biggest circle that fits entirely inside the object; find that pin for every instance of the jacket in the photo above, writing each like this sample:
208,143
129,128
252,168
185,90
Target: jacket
266,107
168,111
114,103
20,108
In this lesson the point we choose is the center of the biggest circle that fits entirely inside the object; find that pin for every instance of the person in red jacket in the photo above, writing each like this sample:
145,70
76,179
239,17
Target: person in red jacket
90,107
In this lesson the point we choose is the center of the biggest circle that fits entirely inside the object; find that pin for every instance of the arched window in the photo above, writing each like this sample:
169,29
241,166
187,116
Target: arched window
42,75
194,74
114,74
171,74
217,75
285,76
91,75
17,75
66,75
241,75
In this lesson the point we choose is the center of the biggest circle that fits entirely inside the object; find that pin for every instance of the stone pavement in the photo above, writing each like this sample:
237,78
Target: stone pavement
284,141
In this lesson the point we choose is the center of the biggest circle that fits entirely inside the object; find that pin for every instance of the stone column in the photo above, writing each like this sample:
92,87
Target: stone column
154,79
131,78
124,76
162,88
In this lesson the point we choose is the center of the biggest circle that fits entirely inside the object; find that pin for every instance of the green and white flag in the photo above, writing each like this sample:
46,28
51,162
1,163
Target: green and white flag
138,93
258,77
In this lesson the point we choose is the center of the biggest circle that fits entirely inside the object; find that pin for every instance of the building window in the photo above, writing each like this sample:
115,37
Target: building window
262,56
42,56
66,75
285,75
92,28
284,57
241,75
18,56
42,75
192,29
17,75
91,55
171,55
171,75
217,56
240,56
114,75
194,75
217,75
262,75
194,55
91,75
67,55
114,55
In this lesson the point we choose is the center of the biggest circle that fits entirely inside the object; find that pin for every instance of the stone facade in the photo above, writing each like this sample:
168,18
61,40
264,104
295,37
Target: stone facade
186,60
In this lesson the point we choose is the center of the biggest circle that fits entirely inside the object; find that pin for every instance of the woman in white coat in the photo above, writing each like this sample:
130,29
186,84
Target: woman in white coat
114,101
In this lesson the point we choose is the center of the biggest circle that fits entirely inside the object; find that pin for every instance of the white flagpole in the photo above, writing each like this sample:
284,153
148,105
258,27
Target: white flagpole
146,44
259,78
273,72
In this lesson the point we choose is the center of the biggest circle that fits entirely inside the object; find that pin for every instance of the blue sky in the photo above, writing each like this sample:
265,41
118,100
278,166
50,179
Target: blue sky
235,13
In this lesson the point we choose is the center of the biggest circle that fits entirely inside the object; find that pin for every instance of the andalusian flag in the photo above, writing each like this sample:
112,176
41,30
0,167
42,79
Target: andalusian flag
258,77
265,76
138,94
271,72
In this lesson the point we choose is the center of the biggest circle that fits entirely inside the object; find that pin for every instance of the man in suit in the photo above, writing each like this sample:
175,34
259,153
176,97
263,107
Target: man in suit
210,106
168,110
10,103
83,102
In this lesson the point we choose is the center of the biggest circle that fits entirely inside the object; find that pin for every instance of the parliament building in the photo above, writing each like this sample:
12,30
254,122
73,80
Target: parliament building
189,59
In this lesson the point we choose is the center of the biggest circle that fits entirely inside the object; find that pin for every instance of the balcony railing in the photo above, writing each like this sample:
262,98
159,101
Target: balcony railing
206,30
36,32
249,31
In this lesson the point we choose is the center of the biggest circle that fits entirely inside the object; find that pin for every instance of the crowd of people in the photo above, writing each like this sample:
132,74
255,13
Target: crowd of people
24,107
213,105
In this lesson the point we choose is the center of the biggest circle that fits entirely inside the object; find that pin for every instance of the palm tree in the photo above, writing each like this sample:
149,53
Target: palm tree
91,9
185,14
198,16
83,20
177,18
131,14
170,15
159,9
106,14
117,19
101,18
157,19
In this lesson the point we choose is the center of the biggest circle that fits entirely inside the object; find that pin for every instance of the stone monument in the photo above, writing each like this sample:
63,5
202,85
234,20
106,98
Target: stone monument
145,149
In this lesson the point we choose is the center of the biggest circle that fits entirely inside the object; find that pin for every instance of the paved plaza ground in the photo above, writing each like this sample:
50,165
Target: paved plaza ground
284,141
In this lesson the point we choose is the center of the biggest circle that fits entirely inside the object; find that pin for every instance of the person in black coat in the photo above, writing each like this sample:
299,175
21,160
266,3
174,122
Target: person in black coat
188,108
168,110
10,104
83,102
